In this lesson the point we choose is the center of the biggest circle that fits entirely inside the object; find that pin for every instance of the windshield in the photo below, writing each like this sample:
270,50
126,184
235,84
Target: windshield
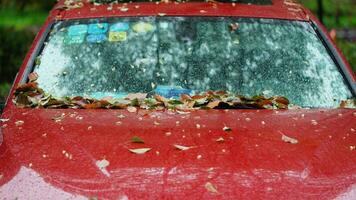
188,55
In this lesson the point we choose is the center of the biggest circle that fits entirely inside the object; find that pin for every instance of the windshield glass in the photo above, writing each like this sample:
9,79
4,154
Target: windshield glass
175,55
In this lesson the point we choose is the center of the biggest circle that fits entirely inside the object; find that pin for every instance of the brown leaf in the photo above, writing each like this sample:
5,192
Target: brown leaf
213,104
33,77
289,139
140,151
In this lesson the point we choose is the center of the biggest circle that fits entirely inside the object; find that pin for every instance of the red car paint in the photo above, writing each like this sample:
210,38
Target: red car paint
45,158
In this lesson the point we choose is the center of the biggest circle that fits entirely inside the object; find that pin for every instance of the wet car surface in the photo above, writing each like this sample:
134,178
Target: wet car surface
303,153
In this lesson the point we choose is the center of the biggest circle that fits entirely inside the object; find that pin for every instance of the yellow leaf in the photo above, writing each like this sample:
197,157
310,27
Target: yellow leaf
289,139
183,148
140,151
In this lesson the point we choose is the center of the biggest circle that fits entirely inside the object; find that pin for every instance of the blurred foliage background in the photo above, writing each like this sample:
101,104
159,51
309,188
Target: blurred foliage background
20,20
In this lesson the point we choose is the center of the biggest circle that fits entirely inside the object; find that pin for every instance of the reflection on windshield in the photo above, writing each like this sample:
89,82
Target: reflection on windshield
175,55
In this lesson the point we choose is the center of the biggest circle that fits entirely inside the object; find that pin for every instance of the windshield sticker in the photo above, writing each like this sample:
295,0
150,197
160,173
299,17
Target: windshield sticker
172,91
119,27
78,30
75,39
96,38
143,27
117,36
98,28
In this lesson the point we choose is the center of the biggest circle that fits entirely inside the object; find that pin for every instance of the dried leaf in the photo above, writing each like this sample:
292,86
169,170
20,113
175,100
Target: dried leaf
211,188
58,118
136,139
183,148
213,104
33,77
221,139
101,164
138,96
19,123
227,129
289,139
4,120
140,151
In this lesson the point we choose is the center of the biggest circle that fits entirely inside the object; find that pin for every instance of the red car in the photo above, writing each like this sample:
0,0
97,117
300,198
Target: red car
173,100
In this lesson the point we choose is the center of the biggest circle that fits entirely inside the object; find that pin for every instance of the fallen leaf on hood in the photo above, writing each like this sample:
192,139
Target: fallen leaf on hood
58,118
140,151
121,116
182,148
289,139
227,129
314,122
132,109
161,14
221,139
19,123
352,148
4,120
136,139
211,188
101,164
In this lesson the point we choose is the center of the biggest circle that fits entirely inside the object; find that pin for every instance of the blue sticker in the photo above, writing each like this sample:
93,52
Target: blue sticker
98,28
172,91
75,39
97,38
77,30
119,27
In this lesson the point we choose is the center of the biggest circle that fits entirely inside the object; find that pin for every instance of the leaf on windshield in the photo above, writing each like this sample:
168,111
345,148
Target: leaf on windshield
29,95
139,96
289,139
140,151
350,103
33,77
233,27
213,104
136,139
182,148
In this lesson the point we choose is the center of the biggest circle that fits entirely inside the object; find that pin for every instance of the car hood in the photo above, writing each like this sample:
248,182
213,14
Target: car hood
225,154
